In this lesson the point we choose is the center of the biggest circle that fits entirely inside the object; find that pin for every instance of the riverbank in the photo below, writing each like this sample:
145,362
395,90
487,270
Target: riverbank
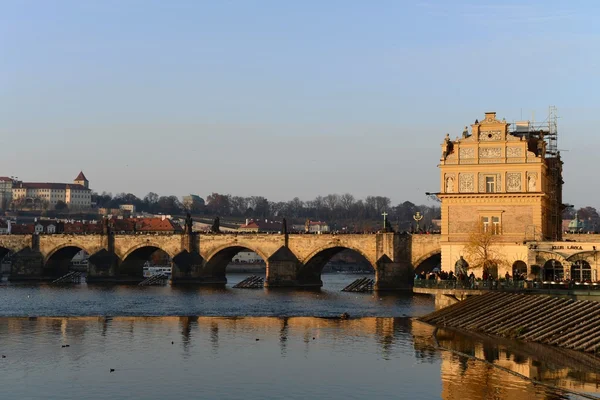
557,321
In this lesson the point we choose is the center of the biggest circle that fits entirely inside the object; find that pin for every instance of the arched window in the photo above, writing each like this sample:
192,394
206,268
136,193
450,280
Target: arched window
581,271
553,271
519,269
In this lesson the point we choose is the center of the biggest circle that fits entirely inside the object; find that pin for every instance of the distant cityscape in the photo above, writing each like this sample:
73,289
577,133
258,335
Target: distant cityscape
75,207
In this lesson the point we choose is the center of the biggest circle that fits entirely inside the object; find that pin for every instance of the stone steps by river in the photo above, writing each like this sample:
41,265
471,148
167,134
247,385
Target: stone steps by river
562,322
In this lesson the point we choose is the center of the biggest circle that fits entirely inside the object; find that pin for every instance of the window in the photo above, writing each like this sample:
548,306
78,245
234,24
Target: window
495,225
490,184
491,224
485,223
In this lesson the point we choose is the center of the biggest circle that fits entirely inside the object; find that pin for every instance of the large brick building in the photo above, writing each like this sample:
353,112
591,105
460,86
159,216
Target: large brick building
507,183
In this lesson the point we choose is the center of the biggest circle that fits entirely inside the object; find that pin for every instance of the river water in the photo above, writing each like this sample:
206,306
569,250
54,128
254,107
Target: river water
173,343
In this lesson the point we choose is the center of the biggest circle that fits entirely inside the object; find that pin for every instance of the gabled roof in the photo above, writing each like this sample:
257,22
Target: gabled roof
81,177
45,223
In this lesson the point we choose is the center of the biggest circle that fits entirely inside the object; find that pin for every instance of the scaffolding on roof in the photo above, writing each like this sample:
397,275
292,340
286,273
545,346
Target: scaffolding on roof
548,131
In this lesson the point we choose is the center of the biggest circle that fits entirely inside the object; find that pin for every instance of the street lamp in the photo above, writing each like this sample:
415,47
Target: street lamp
418,217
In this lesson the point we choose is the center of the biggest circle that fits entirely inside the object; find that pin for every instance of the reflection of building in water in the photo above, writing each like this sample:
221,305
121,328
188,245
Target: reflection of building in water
464,378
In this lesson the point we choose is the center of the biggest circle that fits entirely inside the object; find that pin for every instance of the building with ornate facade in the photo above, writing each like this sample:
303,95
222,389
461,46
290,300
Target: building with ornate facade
504,184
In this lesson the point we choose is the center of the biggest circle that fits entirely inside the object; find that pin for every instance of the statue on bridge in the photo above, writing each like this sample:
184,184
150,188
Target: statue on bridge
460,268
105,227
188,223
216,228
388,226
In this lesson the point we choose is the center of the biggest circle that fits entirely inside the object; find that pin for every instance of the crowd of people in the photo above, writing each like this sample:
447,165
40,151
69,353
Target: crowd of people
469,279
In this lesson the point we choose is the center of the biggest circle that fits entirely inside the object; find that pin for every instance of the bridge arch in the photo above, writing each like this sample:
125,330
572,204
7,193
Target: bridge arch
218,260
147,244
229,247
312,267
132,263
58,261
5,253
429,261
60,248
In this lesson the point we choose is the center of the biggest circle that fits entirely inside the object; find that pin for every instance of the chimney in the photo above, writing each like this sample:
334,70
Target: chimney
163,217
247,221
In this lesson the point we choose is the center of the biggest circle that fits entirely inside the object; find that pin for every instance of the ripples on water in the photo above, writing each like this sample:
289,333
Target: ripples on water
220,358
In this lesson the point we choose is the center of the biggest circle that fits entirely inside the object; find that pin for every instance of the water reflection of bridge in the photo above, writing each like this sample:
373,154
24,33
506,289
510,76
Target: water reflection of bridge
461,377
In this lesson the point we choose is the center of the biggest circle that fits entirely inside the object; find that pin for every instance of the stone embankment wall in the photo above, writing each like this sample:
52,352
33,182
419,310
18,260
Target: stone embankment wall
562,322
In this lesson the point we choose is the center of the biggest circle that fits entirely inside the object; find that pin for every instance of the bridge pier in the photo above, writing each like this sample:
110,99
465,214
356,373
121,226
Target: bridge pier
283,270
390,275
102,267
190,268
27,265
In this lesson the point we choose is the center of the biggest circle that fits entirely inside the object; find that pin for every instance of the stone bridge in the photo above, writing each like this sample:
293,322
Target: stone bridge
291,259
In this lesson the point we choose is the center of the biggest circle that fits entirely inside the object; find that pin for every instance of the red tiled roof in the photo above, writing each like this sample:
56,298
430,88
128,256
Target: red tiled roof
5,178
144,225
249,225
263,225
81,177
80,227
21,229
48,185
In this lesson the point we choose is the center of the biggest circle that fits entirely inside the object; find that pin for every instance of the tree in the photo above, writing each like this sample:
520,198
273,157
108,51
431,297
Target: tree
481,251
169,205
218,204
150,202
101,200
60,206
346,201
590,216
260,205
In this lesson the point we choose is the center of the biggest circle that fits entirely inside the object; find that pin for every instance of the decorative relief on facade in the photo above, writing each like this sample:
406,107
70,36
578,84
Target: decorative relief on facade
452,158
449,186
466,183
490,152
467,152
513,182
482,182
490,135
530,154
514,151
532,181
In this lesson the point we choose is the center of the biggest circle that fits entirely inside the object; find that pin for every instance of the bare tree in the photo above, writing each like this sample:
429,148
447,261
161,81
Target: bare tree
481,251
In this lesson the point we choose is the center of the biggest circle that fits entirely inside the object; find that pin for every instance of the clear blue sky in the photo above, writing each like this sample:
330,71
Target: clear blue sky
286,98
